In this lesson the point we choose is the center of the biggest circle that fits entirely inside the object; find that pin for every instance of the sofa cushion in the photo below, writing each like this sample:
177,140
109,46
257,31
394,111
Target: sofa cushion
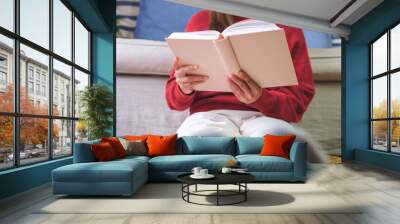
116,145
185,163
277,145
132,158
112,171
159,145
257,163
103,152
206,145
83,152
249,145
136,147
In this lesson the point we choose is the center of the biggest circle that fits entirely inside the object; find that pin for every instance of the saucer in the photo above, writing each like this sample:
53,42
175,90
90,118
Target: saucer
208,176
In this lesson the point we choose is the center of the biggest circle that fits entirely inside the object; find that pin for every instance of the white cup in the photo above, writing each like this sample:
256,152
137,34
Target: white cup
226,170
196,171
203,172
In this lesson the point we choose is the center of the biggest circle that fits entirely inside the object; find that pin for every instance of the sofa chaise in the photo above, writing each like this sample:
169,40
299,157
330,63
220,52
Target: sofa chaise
125,176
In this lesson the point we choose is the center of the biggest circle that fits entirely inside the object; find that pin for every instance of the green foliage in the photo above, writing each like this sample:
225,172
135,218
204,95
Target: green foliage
96,102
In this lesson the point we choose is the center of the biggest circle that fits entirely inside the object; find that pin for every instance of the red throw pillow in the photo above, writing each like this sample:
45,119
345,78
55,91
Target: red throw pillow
161,145
277,145
103,152
116,145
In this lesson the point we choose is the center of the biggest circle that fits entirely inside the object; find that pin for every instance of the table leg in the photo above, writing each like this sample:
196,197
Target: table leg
217,194
188,189
245,193
182,188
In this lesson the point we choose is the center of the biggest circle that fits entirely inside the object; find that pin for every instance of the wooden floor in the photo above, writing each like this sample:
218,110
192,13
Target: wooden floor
379,189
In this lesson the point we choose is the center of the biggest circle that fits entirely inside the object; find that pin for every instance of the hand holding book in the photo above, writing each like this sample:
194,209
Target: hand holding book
186,81
244,88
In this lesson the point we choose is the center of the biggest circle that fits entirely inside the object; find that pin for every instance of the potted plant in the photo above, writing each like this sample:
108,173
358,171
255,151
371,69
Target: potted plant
96,102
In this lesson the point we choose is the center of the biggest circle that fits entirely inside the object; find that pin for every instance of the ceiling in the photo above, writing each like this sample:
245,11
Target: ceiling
328,16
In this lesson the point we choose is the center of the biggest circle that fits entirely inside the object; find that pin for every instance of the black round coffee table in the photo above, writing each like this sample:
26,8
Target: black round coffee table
238,179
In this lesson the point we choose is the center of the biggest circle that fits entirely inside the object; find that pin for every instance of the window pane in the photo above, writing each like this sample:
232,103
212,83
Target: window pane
6,142
379,97
62,138
81,81
62,89
395,136
395,94
7,14
81,45
395,47
6,74
379,56
33,140
35,21
62,29
34,72
379,135
81,131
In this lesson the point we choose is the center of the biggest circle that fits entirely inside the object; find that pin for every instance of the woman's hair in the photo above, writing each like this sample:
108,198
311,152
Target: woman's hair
219,21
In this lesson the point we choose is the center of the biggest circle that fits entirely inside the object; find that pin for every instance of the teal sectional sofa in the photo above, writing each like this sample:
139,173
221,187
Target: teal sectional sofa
125,176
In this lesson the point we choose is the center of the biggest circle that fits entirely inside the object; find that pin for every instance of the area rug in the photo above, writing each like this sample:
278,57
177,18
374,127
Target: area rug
166,198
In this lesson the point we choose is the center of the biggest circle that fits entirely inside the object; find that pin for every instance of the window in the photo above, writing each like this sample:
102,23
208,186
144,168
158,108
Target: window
81,81
3,72
7,14
62,30
44,124
7,73
3,78
385,91
3,61
81,45
44,91
62,74
34,22
38,74
30,87
30,72
37,89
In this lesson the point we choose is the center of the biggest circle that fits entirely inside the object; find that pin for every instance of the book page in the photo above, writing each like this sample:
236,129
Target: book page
228,57
199,35
249,26
205,54
265,56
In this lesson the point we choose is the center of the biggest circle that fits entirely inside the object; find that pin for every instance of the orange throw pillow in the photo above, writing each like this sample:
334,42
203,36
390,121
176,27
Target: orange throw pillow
161,145
103,152
116,145
277,145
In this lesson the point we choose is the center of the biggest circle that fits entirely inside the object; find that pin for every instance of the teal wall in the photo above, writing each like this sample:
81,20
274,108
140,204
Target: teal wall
103,53
355,85
99,16
24,178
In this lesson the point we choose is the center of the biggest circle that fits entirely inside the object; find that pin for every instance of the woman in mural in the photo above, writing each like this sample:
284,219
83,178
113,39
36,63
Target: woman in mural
248,110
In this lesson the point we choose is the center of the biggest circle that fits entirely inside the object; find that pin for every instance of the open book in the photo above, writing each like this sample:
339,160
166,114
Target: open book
256,47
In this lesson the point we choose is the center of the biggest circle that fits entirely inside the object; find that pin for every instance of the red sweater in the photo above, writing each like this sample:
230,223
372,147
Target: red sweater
287,103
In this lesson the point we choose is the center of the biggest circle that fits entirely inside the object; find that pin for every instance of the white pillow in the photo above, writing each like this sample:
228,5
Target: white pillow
138,56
